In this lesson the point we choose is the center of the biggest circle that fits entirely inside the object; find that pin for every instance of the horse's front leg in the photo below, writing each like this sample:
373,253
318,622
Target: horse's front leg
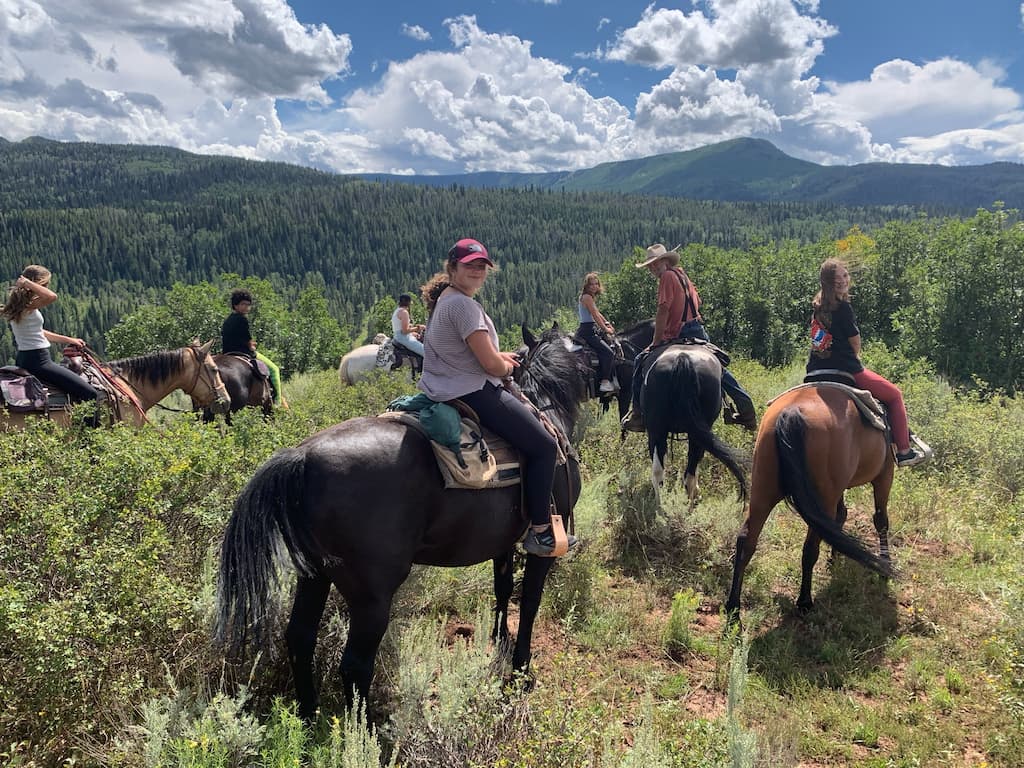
300,637
503,584
537,569
881,487
841,514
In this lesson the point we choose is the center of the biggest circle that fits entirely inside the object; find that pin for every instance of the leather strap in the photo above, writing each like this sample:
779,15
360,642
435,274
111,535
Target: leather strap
561,540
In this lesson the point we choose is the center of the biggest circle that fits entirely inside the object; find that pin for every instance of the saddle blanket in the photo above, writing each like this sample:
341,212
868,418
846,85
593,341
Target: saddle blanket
872,411
486,461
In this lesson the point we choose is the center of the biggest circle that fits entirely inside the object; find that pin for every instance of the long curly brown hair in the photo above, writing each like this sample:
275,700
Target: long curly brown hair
826,300
19,300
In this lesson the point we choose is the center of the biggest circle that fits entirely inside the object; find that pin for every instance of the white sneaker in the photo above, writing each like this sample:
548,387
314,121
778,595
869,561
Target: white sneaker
605,386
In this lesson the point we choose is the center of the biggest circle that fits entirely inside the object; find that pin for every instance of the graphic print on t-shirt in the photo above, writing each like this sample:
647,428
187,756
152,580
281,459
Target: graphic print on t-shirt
821,339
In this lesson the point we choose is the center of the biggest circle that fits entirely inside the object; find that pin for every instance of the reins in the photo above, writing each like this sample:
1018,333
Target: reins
121,385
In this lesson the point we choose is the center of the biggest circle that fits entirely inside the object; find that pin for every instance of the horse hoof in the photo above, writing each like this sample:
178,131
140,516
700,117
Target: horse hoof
804,607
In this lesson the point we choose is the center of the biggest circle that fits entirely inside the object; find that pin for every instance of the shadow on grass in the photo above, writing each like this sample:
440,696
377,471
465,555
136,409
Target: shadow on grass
844,635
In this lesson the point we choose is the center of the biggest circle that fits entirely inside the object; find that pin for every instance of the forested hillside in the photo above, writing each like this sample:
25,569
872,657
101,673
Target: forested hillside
756,170
119,225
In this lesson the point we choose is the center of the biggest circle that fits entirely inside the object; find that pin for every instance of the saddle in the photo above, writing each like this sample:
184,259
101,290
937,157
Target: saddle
24,393
402,353
484,459
872,412
258,367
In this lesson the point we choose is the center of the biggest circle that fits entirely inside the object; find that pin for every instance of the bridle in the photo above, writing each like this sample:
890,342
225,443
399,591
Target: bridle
208,366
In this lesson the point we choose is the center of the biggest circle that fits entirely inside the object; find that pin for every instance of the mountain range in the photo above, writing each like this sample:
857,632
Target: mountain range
755,170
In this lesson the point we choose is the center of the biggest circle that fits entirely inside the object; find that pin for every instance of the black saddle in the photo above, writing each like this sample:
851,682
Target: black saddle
402,352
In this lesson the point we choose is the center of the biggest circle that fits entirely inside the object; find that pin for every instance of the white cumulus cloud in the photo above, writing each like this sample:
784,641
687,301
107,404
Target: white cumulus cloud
415,31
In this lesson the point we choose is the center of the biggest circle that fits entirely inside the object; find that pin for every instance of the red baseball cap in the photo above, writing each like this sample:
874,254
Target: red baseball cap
467,250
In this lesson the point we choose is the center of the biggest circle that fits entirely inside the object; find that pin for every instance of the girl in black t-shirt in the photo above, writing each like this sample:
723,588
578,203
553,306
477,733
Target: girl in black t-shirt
835,343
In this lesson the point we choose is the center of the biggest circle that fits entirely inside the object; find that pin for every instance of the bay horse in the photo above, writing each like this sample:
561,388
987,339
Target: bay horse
812,445
150,378
682,394
358,504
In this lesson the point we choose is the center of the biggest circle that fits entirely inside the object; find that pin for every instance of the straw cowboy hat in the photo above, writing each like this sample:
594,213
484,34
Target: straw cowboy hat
658,251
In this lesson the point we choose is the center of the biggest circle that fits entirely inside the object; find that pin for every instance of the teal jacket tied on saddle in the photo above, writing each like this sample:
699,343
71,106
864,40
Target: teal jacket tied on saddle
440,420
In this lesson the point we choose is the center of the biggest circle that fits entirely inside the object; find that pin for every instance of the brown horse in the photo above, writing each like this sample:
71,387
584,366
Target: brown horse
150,378
245,388
812,446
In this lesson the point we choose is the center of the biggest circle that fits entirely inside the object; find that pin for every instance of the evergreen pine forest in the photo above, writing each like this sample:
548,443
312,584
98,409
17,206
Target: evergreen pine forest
109,539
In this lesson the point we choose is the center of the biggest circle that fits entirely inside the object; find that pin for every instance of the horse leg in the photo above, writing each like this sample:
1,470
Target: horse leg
812,548
841,513
694,454
881,487
307,610
657,447
503,585
537,569
368,621
746,544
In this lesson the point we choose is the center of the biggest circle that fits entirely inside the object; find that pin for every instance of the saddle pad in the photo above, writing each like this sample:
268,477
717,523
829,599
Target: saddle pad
870,409
490,461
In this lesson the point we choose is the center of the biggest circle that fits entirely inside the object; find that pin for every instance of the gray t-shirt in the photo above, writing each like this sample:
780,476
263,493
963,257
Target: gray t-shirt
450,369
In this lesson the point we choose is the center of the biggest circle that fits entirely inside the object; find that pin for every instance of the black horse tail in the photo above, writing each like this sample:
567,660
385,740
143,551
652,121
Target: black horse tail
689,380
795,481
263,517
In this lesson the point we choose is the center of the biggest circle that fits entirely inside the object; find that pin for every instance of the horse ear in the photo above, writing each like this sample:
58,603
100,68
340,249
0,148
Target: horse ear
205,348
528,337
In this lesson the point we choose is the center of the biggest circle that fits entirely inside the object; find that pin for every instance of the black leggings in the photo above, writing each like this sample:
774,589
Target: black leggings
39,364
588,332
503,414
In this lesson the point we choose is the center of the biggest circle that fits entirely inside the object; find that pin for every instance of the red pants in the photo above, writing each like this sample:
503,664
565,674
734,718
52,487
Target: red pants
889,394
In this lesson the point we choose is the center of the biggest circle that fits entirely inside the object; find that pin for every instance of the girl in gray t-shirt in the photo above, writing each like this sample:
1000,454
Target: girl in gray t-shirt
462,360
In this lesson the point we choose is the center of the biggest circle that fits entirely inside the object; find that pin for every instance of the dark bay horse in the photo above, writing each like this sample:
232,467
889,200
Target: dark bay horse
244,387
682,394
811,447
358,504
631,341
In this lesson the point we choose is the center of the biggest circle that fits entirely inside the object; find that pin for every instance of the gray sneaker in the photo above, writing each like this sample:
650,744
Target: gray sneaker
543,544
910,457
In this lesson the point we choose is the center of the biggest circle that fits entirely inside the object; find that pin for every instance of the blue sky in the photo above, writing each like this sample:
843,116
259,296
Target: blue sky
448,86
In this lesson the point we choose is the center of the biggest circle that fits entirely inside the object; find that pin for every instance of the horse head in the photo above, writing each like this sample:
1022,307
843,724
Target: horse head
552,376
208,387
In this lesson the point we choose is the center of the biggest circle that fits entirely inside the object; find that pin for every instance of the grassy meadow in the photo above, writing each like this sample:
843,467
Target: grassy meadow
108,549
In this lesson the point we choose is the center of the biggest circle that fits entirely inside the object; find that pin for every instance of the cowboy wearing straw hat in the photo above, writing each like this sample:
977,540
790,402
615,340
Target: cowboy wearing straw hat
678,316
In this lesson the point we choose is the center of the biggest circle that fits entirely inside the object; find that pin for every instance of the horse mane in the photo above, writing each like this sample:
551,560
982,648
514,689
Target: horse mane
556,371
156,366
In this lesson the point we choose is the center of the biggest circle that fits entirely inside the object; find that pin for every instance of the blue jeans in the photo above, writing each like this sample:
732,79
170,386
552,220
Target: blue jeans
410,342
501,412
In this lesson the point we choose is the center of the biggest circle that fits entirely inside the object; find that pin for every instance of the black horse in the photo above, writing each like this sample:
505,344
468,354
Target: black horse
683,394
244,386
631,341
358,504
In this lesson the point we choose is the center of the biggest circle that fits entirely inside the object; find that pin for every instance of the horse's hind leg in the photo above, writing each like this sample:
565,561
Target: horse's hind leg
307,610
503,584
694,454
812,548
746,545
368,621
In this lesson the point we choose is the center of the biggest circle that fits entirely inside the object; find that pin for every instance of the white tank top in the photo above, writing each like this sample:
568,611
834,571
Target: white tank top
28,332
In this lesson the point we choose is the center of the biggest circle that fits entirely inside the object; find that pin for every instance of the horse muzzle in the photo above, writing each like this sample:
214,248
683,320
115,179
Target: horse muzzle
221,405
